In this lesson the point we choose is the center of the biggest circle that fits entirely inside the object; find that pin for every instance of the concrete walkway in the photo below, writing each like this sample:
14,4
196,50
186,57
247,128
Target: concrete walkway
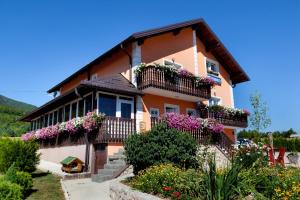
86,189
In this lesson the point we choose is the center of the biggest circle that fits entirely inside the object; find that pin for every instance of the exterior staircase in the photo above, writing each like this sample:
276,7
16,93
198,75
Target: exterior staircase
112,169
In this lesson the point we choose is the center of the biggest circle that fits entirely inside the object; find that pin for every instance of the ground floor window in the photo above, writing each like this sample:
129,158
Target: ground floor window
67,113
88,104
169,108
191,112
214,101
154,112
107,104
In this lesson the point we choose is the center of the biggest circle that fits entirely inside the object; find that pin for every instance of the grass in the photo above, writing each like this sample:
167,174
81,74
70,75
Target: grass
45,187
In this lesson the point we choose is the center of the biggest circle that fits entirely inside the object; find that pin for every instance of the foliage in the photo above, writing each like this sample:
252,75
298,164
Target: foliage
259,119
172,74
168,181
160,145
280,139
88,123
23,154
10,112
23,179
10,191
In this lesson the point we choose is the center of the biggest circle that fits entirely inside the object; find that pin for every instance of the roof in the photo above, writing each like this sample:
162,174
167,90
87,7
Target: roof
205,34
115,83
68,160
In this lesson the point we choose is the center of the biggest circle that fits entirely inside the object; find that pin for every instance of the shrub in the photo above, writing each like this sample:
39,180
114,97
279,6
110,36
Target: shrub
23,179
10,191
160,145
168,181
23,154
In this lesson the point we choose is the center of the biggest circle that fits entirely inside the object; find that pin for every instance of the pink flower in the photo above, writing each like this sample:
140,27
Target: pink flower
28,136
182,122
70,127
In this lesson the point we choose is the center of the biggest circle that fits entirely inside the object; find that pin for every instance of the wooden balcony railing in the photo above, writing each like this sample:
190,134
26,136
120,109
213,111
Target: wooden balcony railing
112,129
151,77
227,120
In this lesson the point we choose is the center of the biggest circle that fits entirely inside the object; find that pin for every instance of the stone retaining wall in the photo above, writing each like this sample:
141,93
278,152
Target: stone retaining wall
118,191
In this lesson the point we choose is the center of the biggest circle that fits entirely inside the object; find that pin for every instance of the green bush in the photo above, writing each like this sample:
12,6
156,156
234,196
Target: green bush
161,145
23,179
10,191
23,154
168,180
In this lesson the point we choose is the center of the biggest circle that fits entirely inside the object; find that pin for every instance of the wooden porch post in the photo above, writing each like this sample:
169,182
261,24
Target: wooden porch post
87,152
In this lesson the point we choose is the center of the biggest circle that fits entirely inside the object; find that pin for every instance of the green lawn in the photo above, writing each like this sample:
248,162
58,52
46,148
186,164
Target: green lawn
45,187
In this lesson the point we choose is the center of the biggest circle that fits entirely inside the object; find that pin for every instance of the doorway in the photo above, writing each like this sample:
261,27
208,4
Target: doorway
100,156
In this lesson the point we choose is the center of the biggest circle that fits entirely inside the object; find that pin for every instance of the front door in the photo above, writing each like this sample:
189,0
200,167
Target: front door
100,156
125,109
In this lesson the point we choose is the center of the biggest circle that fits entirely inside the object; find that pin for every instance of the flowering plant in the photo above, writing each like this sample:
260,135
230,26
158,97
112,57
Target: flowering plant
87,123
182,122
212,125
227,111
172,73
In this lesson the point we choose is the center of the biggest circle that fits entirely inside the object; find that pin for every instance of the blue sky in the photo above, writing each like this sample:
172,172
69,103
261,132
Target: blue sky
42,42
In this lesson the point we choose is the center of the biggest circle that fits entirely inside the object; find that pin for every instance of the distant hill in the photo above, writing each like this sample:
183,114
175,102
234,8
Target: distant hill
10,111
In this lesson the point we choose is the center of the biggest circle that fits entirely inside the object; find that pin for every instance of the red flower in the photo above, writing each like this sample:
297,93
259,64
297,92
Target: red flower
167,188
176,194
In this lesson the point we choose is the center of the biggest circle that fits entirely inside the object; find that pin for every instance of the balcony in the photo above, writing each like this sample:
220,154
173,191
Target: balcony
157,82
232,120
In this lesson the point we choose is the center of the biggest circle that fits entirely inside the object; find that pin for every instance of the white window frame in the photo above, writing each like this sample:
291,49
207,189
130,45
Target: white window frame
191,109
156,110
118,103
215,97
94,76
171,105
180,66
214,62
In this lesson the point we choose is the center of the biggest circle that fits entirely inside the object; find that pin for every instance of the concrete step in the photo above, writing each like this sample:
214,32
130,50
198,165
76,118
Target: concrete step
100,178
107,171
116,157
113,166
117,162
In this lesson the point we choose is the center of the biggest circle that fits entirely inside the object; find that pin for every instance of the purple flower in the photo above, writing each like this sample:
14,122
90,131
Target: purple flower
182,122
28,136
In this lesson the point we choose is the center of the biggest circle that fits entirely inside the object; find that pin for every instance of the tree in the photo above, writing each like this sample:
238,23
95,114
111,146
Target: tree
259,119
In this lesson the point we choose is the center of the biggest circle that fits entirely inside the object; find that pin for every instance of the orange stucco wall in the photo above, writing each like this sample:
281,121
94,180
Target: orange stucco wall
118,63
153,101
230,133
168,46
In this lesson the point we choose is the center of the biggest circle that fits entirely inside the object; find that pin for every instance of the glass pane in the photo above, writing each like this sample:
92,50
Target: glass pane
107,104
60,115
88,104
74,108
55,118
50,119
126,110
80,108
171,109
67,112
46,121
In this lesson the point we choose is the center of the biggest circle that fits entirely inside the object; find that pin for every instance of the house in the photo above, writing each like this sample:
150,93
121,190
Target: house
132,102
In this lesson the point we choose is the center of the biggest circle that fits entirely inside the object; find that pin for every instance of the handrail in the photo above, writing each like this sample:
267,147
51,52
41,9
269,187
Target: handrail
151,77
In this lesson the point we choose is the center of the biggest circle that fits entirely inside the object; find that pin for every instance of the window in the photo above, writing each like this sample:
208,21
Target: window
191,112
80,108
172,64
46,120
107,104
50,119
60,115
212,67
55,118
126,108
214,101
88,104
74,110
67,113
154,112
171,108
94,77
